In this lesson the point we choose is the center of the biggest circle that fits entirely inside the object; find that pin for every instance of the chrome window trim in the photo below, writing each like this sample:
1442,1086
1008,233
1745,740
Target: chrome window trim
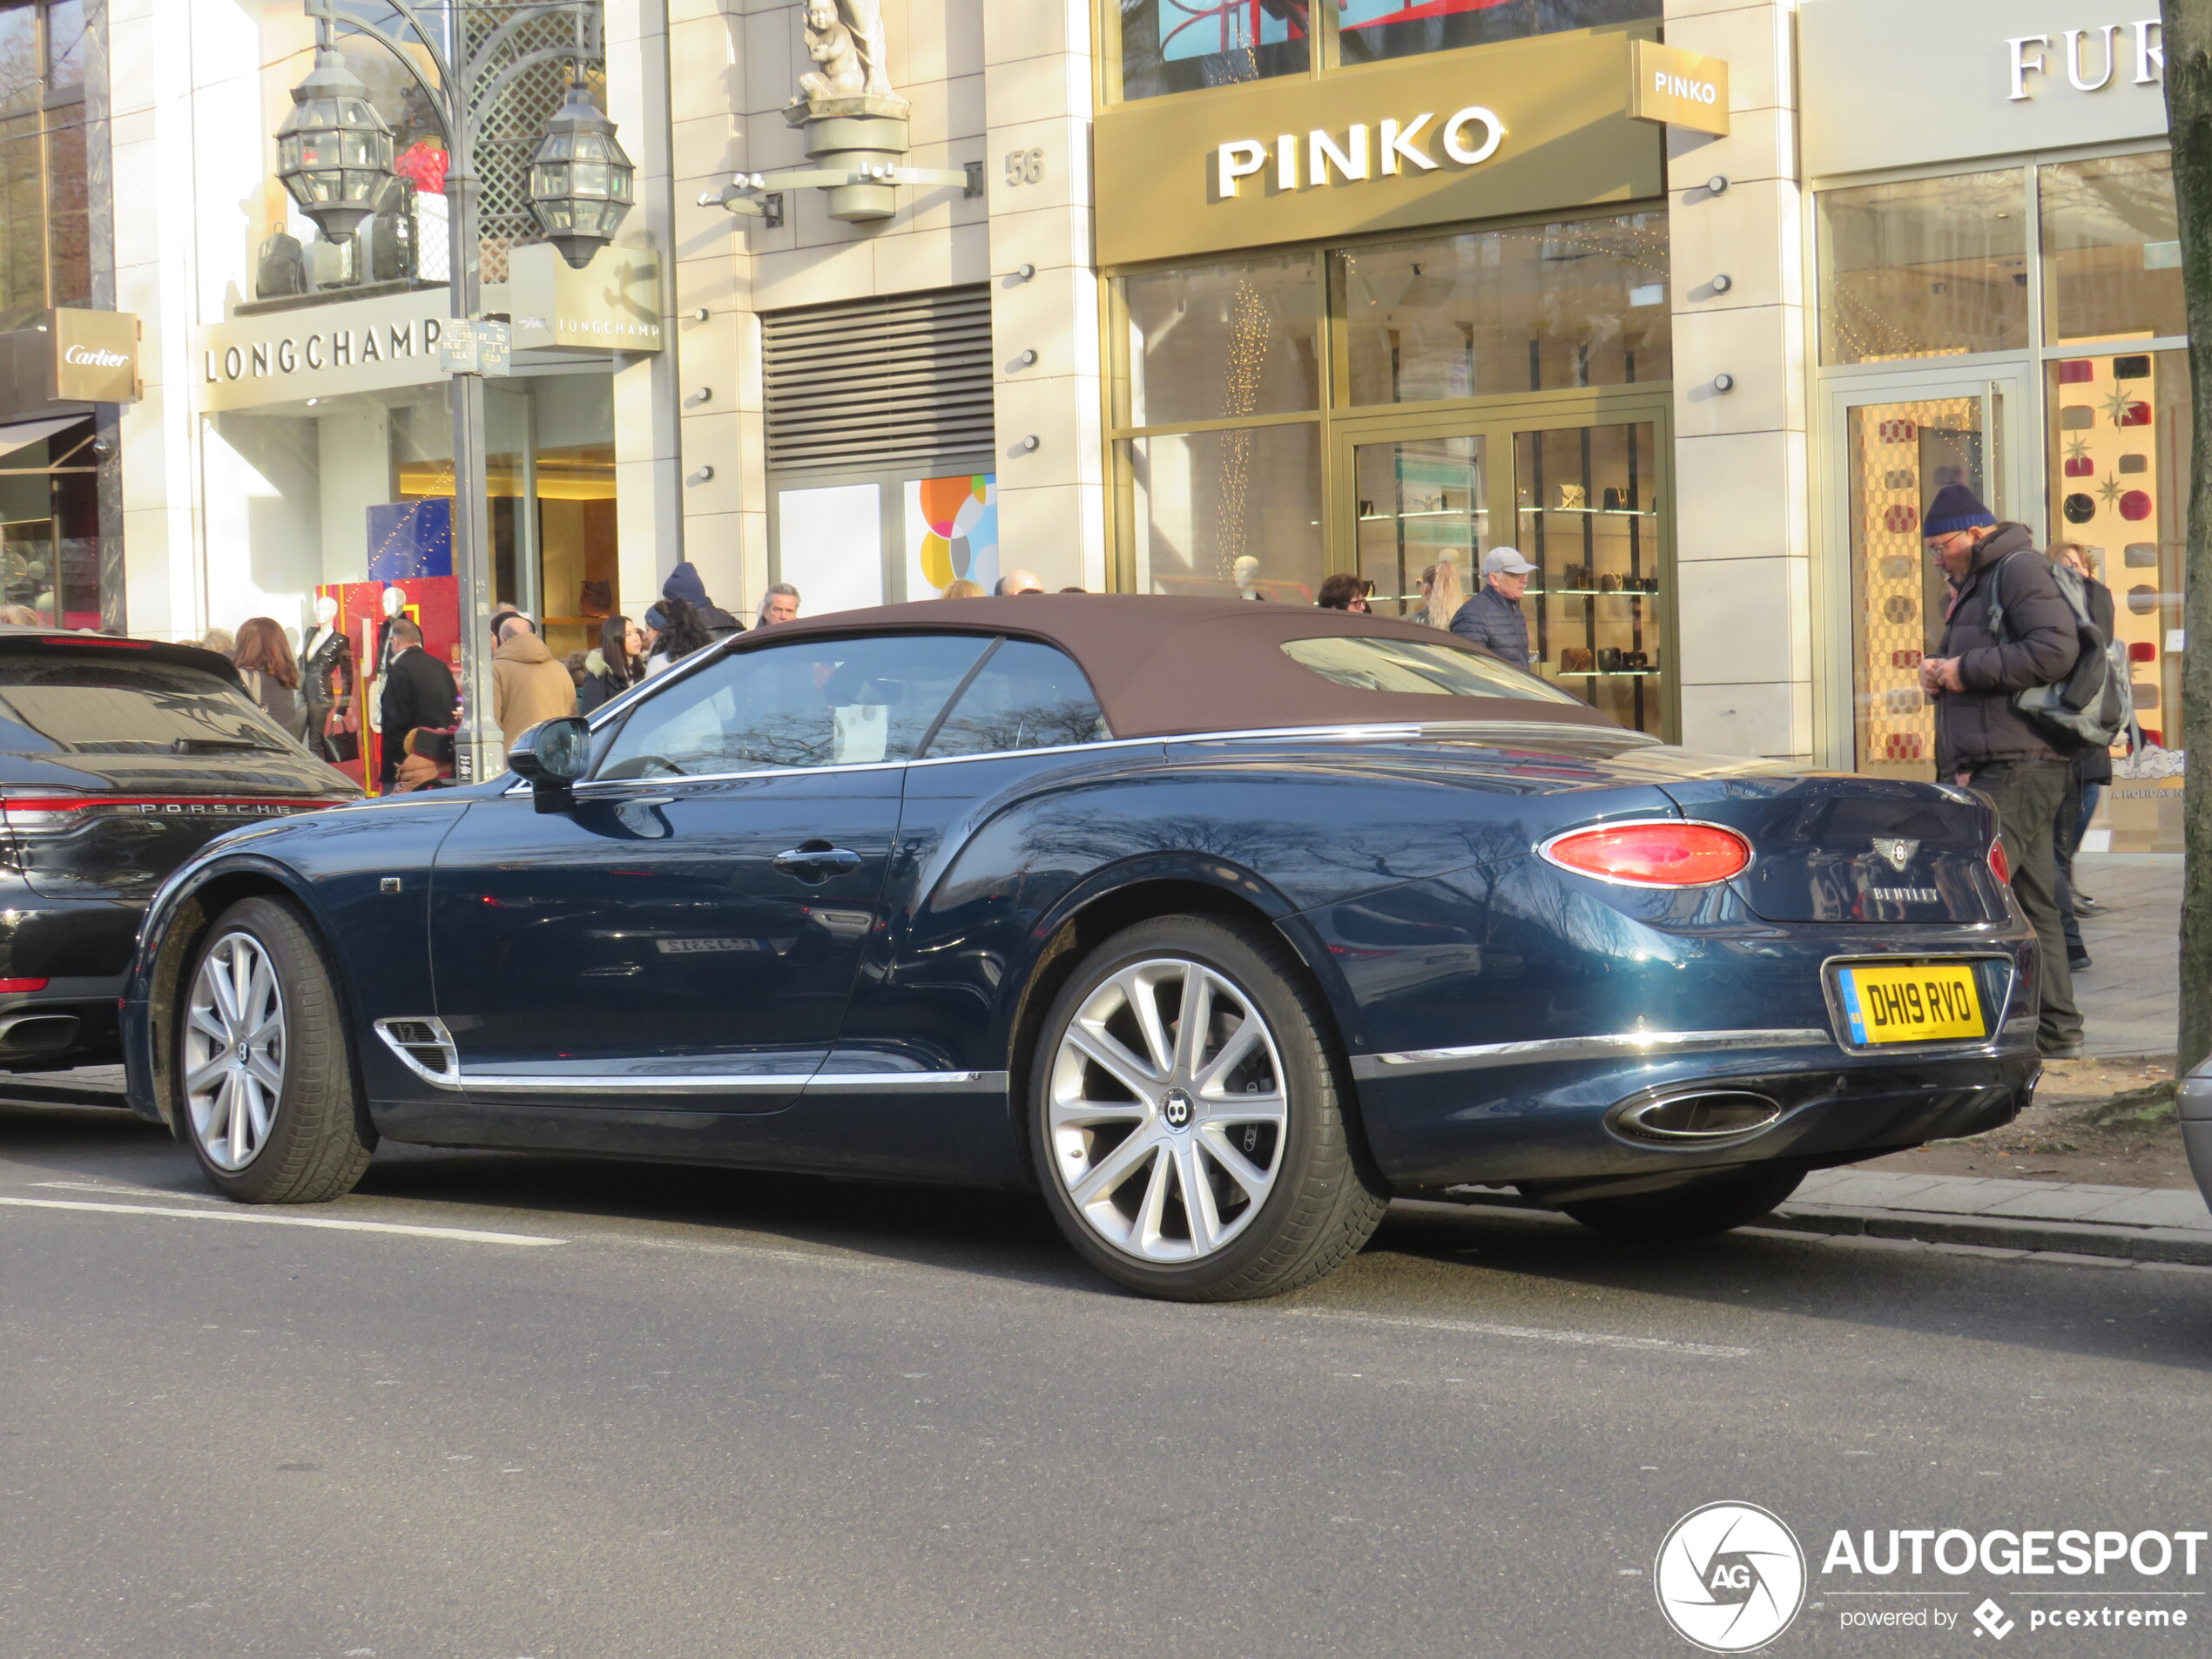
1624,1044
1521,730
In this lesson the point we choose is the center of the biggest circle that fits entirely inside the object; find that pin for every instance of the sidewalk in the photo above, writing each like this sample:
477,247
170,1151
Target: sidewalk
2131,998
2136,1223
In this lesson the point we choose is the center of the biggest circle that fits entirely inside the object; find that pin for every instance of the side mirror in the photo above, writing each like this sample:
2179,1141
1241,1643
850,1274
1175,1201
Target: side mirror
552,755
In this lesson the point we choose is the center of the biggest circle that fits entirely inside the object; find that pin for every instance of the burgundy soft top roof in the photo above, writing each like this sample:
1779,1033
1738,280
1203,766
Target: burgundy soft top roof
1163,666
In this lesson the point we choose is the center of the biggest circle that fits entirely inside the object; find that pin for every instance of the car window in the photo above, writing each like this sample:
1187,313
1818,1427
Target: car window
1025,695
820,702
121,705
1368,663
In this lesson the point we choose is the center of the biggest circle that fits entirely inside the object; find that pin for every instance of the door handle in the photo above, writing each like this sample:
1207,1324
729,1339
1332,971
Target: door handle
817,861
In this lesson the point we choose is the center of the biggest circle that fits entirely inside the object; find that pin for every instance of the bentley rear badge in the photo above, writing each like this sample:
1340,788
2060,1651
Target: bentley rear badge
1897,849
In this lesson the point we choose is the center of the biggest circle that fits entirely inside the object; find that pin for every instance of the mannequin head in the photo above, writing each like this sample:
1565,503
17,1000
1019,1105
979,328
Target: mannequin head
394,601
326,611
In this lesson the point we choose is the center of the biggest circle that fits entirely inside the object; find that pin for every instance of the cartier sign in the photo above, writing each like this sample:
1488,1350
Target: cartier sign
93,357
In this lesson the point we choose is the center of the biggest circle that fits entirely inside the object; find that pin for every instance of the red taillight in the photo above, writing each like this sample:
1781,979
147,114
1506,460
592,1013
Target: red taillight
7,984
1999,866
1667,854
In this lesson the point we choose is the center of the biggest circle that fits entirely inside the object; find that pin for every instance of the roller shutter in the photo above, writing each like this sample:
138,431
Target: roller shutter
878,382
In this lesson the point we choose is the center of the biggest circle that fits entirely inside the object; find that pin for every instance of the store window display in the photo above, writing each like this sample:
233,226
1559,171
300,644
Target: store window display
2064,272
1538,308
2119,454
50,525
1182,45
1371,30
1924,267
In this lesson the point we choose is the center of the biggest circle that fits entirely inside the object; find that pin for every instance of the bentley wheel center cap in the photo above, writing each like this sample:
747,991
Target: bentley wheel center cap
1177,1109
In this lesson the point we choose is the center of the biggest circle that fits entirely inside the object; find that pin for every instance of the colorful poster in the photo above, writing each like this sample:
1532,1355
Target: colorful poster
1201,28
410,538
952,533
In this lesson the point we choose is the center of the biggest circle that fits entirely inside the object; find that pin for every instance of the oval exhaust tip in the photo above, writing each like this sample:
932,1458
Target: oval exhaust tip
1711,1116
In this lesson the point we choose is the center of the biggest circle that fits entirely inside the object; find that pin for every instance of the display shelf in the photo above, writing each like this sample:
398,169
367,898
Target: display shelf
1605,673
1439,512
1598,593
1594,512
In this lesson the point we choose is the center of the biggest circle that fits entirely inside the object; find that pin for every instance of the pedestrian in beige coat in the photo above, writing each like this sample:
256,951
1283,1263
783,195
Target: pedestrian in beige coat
528,683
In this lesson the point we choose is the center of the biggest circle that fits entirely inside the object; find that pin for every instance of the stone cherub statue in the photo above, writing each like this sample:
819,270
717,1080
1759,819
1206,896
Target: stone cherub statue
846,39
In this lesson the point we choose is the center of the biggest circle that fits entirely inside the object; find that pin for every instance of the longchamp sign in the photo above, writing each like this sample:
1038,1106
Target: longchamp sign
391,340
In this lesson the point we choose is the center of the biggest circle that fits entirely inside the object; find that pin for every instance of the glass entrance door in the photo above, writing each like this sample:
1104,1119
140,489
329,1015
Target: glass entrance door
1897,454
1420,501
1574,484
1587,516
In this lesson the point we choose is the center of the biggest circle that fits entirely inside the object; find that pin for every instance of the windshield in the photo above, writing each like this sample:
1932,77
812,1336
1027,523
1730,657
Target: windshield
1372,665
125,707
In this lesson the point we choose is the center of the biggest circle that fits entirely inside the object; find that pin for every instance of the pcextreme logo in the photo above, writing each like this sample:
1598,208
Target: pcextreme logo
1730,1577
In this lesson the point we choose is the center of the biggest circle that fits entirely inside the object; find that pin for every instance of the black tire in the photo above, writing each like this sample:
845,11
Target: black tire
1699,1208
1323,1200
318,1138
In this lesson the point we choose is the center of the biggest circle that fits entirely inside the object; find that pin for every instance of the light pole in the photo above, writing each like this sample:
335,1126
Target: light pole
335,156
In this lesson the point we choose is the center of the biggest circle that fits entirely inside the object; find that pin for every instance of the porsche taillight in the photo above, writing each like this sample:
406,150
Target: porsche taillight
1662,853
1999,866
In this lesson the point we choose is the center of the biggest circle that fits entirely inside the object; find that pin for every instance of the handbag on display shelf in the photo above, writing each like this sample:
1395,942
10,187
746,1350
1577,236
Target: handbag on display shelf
1575,659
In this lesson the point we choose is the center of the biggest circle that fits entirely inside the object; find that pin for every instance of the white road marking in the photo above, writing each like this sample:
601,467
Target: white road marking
467,1235
1535,1333
129,1192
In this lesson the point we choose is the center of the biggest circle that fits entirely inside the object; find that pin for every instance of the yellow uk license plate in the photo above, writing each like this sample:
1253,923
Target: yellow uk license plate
1925,1003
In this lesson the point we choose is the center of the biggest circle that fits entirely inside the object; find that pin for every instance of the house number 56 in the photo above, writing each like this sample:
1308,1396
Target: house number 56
1024,166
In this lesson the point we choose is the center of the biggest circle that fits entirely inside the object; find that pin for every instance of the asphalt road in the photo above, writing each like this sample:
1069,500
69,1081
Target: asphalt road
735,1415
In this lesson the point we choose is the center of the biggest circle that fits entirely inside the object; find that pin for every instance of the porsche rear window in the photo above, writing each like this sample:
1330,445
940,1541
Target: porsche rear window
124,707
1370,664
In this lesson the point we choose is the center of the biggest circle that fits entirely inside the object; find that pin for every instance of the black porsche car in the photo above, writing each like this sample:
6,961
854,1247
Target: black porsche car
118,759
1218,924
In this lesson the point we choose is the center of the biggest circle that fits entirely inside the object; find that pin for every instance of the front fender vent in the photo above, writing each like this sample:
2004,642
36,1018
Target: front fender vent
426,1047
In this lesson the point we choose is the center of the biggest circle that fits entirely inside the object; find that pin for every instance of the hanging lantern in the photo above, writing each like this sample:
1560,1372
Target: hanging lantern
580,180
334,150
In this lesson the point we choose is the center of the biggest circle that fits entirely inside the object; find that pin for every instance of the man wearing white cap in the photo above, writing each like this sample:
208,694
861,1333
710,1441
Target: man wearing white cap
1492,619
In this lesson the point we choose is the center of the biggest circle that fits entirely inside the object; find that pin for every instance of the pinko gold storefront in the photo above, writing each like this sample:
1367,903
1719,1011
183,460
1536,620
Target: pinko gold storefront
1392,295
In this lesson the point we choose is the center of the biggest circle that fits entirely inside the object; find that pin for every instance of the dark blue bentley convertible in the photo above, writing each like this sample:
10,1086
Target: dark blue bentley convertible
1218,924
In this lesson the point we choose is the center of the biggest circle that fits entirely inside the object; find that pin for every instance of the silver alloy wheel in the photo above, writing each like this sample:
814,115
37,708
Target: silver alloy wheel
1167,1112
233,1058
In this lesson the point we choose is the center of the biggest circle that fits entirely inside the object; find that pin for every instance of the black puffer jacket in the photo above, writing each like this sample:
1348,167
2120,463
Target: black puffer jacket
1980,723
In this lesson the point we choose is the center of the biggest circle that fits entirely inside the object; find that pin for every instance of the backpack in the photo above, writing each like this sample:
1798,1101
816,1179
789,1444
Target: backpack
2094,703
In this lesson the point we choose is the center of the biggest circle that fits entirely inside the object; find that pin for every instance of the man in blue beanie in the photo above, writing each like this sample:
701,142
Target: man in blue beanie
684,583
1983,739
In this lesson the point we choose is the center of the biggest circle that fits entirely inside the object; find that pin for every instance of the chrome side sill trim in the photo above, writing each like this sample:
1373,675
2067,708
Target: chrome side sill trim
1623,1045
895,1082
698,1083
793,1083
